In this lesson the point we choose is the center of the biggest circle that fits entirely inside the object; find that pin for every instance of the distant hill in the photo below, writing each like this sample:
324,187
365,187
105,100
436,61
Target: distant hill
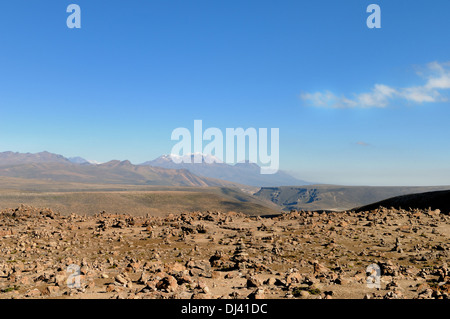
57,168
434,200
14,158
333,197
242,173
162,171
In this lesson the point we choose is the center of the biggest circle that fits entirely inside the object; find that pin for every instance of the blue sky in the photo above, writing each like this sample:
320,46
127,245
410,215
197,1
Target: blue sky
355,106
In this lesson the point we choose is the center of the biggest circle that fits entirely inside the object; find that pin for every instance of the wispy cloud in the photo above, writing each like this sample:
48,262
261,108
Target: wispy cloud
437,79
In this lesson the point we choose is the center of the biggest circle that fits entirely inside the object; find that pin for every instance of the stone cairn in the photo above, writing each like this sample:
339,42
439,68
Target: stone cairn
240,255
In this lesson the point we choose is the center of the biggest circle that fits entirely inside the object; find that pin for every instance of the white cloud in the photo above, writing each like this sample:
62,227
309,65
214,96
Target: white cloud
419,94
320,99
438,79
442,82
378,97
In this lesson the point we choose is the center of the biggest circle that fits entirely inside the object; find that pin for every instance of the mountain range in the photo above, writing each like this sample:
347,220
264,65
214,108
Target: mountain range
161,171
75,185
45,171
246,173
14,158
57,168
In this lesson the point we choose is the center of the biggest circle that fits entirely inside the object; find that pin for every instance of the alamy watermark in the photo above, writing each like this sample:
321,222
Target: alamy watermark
74,19
373,20
373,280
74,278
238,142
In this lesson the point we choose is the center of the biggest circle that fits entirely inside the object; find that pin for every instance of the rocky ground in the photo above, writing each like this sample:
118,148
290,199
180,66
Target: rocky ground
224,255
